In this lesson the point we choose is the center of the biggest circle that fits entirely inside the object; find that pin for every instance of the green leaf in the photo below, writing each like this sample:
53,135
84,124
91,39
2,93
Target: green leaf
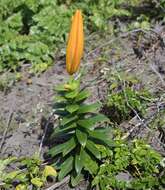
93,149
90,122
63,130
61,88
49,171
12,175
72,108
66,167
37,182
81,137
21,187
102,135
69,146
59,105
60,99
99,118
99,134
75,179
4,163
64,148
105,151
89,108
90,165
72,84
61,112
86,123
56,150
72,94
78,163
82,96
67,120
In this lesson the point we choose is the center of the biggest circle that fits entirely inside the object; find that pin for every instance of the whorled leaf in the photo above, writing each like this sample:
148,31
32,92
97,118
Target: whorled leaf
69,146
66,167
93,149
92,108
81,137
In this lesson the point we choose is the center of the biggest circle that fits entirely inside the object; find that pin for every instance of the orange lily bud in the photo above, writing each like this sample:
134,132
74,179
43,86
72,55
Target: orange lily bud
75,44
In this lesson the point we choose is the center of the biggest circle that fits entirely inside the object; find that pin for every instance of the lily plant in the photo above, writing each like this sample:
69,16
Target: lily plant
79,125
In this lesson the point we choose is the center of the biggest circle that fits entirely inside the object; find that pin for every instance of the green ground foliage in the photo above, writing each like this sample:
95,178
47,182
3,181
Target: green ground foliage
32,30
131,166
29,173
126,97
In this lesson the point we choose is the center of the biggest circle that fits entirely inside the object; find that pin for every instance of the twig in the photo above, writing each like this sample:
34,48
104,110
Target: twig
45,131
145,122
58,184
131,131
158,74
7,127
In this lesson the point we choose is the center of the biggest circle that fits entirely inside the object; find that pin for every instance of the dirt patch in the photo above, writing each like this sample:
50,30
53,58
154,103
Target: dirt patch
28,103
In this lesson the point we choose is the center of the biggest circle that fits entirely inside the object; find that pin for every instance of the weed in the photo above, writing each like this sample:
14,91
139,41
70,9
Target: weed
126,97
29,172
133,166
